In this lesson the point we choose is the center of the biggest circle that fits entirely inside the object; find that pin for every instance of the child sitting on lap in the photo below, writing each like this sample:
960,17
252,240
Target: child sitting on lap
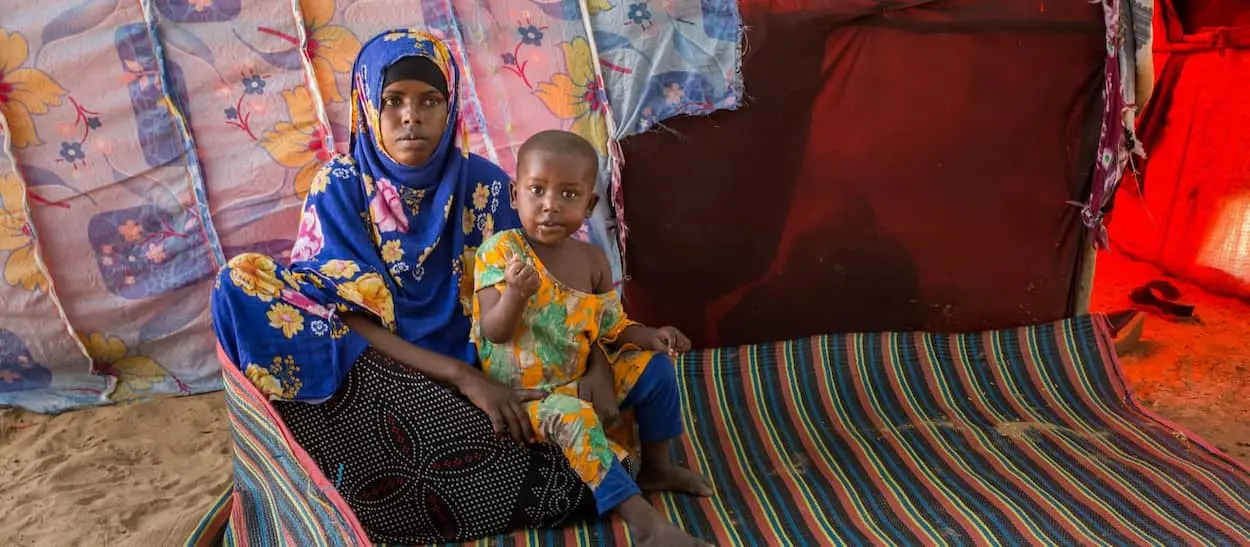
546,317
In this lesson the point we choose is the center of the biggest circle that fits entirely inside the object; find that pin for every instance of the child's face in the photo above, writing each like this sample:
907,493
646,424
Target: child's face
554,194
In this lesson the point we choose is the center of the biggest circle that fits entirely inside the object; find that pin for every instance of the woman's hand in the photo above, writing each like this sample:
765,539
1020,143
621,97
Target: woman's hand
502,405
670,340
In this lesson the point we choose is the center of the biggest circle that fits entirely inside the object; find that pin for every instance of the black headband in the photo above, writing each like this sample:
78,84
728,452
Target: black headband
416,68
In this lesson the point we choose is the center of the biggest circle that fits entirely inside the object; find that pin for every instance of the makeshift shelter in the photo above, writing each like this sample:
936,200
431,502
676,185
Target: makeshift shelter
888,165
1189,210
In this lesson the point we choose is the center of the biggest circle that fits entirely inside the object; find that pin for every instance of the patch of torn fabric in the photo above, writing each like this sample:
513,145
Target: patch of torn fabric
662,59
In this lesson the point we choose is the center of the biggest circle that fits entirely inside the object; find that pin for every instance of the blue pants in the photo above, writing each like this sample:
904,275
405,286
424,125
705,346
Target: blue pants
657,410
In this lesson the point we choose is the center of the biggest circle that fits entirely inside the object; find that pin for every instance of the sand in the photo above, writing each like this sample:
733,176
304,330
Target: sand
138,475
144,474
1196,373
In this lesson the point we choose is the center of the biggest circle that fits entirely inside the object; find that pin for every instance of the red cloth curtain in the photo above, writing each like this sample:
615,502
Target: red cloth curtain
896,168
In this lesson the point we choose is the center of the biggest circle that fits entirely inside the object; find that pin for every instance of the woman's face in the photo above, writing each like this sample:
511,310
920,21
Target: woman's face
414,115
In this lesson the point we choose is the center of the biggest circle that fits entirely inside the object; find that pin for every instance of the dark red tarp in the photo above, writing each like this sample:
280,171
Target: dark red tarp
894,169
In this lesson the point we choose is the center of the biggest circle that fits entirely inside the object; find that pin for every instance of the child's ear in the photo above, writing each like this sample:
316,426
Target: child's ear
590,209
512,193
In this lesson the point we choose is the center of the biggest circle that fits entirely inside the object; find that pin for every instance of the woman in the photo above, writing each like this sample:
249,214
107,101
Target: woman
364,339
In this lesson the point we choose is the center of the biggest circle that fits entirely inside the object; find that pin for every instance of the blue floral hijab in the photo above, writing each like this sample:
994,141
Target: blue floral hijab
375,237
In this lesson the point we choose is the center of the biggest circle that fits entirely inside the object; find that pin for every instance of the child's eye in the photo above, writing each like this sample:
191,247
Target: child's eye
569,194
536,190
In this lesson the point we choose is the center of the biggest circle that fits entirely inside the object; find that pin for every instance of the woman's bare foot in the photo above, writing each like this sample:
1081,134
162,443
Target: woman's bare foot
648,527
673,478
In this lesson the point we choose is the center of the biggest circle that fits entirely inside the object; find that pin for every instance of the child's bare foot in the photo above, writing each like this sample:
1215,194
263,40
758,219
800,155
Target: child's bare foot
648,527
673,478
665,535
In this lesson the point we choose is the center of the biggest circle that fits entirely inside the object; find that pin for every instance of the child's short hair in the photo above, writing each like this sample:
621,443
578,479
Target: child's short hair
562,143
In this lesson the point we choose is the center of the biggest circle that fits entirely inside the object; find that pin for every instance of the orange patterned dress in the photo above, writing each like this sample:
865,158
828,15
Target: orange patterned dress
549,351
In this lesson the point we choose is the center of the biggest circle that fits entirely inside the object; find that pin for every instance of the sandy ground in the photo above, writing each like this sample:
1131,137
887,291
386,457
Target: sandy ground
139,475
1194,372
144,474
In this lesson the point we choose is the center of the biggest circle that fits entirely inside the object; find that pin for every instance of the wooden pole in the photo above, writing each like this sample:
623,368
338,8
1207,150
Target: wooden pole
1085,280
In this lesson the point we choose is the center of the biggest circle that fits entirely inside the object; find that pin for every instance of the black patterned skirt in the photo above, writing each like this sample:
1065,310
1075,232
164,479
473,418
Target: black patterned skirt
418,463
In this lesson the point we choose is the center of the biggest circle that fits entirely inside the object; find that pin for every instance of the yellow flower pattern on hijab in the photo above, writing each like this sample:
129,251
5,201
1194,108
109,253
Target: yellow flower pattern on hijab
369,291
392,251
463,268
481,194
340,269
256,275
469,220
264,381
285,318
23,91
278,381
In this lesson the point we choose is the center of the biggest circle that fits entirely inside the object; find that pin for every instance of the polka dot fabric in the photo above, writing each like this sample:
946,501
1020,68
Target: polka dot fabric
418,463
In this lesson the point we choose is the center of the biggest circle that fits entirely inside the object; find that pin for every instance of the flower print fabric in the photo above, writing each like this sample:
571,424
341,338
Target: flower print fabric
549,351
309,239
388,212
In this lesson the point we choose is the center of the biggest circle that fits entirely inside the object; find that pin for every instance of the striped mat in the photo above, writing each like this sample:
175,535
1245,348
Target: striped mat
1008,437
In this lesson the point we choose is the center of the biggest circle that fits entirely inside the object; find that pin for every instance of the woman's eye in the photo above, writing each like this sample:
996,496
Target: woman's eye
390,102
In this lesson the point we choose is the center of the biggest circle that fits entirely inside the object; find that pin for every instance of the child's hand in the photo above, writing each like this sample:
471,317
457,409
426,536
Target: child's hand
670,340
596,389
521,277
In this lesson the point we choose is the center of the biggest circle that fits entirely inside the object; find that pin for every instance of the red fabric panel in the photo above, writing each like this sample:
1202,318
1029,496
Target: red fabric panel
1196,14
894,170
1189,212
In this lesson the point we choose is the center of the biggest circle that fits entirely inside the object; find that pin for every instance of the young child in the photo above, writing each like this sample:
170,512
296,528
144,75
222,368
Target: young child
546,317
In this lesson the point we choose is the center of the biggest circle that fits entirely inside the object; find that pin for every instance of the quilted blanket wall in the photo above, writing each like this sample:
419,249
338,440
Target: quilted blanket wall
144,143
